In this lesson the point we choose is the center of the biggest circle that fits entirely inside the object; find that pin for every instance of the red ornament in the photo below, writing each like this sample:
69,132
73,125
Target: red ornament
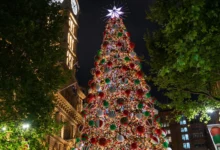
109,64
100,123
98,73
134,146
140,129
128,92
131,65
154,139
139,74
96,63
124,68
90,98
103,142
124,38
119,44
105,44
128,34
125,112
132,45
93,140
158,132
97,57
140,93
90,82
101,95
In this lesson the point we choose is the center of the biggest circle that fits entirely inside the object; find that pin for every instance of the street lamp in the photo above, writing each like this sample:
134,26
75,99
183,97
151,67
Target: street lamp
4,129
209,110
25,126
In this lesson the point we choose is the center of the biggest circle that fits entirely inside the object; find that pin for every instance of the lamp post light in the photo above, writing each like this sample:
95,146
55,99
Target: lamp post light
26,126
209,110
4,129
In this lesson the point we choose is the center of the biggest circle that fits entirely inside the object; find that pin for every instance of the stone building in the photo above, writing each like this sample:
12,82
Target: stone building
188,135
69,98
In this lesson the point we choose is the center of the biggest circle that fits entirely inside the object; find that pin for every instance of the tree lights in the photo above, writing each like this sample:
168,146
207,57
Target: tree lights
119,112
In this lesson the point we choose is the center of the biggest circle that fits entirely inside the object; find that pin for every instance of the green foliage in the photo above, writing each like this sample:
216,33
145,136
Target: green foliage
185,56
31,71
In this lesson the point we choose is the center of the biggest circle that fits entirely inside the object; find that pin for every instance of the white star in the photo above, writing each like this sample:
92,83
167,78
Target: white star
115,12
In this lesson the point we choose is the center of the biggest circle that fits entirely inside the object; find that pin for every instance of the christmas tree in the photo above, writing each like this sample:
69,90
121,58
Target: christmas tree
119,110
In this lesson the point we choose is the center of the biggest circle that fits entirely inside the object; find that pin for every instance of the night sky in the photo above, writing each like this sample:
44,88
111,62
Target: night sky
92,25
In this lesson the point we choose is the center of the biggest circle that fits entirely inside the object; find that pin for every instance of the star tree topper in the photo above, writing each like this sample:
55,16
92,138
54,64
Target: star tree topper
115,12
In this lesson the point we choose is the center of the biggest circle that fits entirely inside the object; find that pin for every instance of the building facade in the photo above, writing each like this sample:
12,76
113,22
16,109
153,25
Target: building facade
69,98
188,135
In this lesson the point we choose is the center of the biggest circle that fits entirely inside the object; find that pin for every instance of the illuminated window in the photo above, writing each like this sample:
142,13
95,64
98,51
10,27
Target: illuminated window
168,131
186,145
184,129
185,137
182,122
69,60
166,124
71,26
72,47
70,42
68,39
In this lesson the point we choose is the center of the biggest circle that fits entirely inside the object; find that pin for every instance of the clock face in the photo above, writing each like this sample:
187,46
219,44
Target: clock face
74,6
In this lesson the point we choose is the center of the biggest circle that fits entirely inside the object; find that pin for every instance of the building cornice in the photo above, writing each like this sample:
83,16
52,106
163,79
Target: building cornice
63,104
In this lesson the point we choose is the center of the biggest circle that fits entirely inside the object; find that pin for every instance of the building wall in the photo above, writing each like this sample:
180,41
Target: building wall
185,135
70,97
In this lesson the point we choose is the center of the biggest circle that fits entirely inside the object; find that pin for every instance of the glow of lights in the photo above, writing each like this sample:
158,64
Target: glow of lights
114,13
209,110
25,126
4,128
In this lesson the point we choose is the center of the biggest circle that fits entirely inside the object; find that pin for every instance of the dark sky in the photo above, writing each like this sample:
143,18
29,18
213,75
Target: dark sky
91,27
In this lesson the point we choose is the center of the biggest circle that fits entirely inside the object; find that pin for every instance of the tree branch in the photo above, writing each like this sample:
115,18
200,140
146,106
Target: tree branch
203,93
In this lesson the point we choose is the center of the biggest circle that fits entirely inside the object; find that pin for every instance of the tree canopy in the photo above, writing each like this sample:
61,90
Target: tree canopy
31,69
185,54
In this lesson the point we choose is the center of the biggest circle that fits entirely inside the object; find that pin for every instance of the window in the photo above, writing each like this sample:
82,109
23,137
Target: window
197,135
68,132
71,26
184,129
182,122
69,60
199,145
70,42
185,137
166,124
168,131
186,145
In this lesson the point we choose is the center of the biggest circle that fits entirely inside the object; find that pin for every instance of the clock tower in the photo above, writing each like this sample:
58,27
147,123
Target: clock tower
69,98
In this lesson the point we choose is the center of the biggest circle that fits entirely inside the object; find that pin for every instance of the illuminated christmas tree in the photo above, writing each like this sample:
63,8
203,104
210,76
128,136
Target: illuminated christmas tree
119,111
